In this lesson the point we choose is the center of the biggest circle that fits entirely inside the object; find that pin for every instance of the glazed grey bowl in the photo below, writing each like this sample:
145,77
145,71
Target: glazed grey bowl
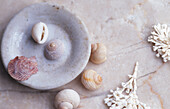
62,25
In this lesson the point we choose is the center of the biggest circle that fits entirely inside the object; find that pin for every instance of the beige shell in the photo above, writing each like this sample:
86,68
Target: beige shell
40,32
98,53
91,80
67,99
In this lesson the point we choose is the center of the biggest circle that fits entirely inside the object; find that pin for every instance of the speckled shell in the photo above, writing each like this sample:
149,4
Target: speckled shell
98,53
91,80
54,49
21,68
67,99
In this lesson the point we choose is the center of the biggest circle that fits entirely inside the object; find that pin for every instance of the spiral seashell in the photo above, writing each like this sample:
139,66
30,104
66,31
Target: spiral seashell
54,49
21,68
67,99
98,53
40,32
91,80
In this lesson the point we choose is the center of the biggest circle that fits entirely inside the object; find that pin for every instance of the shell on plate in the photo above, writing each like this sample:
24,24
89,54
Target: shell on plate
40,32
98,53
91,80
21,68
54,49
67,99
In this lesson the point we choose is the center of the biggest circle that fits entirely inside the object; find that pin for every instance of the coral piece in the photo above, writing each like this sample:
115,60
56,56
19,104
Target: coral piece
161,40
125,97
21,68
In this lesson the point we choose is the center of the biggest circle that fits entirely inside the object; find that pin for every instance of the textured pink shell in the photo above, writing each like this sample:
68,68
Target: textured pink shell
21,68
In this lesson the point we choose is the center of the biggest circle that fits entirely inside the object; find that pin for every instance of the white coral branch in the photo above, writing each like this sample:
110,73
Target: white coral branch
125,97
161,40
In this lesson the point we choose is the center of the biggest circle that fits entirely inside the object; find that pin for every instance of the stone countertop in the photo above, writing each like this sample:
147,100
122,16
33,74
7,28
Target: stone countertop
123,26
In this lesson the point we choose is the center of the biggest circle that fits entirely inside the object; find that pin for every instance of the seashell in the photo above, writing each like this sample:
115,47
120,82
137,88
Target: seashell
54,49
67,99
91,80
21,68
98,53
40,32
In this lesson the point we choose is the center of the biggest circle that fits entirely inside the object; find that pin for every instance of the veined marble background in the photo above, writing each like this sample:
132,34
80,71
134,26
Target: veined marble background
123,26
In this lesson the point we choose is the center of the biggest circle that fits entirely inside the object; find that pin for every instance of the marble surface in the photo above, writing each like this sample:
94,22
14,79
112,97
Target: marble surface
123,26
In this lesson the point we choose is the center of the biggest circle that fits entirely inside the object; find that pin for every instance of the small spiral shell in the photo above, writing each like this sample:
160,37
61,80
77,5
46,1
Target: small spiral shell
54,49
98,53
91,80
67,99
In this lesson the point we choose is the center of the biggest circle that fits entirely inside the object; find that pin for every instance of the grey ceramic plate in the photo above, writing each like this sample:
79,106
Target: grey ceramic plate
63,25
